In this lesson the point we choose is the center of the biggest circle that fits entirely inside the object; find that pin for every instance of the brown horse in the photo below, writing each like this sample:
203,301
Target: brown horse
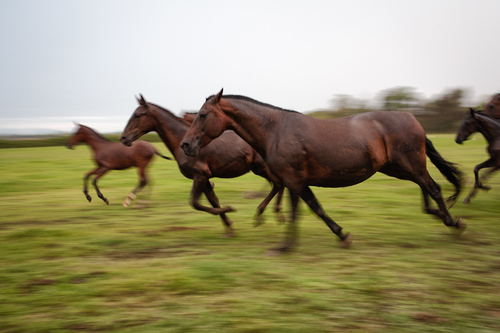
489,127
227,157
493,107
303,151
114,156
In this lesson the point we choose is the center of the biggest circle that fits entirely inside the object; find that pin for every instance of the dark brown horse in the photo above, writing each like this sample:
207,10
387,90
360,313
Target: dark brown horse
489,127
303,151
493,107
227,157
114,156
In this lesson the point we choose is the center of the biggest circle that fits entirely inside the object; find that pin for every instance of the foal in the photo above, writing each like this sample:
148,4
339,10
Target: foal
114,156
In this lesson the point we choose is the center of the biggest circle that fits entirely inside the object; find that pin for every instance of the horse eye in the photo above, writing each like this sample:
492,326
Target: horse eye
203,115
138,115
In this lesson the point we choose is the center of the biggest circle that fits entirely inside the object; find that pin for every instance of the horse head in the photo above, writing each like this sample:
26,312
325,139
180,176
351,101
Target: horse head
138,124
76,138
209,124
467,127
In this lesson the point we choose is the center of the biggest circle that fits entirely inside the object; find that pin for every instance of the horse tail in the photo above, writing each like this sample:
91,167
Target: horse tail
448,169
165,157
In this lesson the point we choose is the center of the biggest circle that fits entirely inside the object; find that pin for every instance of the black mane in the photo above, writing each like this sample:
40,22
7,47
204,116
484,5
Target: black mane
248,99
168,112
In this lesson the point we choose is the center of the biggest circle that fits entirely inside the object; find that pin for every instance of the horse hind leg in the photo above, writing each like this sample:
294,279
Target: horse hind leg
430,188
143,181
308,196
478,181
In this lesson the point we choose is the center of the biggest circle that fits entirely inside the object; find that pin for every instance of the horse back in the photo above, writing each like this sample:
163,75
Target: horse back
346,151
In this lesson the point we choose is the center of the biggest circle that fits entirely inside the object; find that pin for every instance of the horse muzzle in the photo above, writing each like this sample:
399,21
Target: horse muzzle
127,142
189,150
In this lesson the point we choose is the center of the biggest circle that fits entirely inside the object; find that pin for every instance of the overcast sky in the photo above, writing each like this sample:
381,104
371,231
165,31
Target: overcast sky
77,58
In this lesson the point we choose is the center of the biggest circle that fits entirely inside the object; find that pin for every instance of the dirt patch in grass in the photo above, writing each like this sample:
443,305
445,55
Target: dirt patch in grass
427,317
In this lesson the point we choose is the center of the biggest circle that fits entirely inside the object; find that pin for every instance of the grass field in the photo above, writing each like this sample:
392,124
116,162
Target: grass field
67,265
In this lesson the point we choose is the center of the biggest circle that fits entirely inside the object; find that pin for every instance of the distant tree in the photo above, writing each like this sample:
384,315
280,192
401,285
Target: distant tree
346,104
445,112
399,99
449,102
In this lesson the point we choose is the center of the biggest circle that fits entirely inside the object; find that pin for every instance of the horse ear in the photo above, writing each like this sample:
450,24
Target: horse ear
472,112
219,96
141,100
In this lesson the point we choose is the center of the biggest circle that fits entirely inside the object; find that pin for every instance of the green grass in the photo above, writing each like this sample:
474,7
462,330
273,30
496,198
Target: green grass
67,265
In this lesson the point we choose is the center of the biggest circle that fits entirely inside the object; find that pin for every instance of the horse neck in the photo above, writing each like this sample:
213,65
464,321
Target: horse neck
252,123
94,140
170,128
488,127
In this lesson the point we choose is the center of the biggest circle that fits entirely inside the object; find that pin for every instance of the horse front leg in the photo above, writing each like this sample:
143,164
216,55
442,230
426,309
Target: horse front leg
477,181
291,233
199,187
308,196
214,201
99,173
277,189
85,182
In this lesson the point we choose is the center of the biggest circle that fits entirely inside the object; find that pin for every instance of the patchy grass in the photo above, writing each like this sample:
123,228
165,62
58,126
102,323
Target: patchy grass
72,266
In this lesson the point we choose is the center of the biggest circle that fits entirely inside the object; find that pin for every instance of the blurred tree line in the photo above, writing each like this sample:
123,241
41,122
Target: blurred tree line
441,114
58,140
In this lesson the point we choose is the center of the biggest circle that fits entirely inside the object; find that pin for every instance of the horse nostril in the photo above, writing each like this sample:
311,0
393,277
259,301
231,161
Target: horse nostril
184,145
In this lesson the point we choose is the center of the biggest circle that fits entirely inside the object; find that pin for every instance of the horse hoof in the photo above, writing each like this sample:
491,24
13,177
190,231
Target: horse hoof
228,209
460,225
280,250
126,203
259,220
346,241
229,233
281,218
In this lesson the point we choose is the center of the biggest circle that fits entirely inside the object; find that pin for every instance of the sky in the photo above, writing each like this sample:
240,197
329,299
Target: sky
86,60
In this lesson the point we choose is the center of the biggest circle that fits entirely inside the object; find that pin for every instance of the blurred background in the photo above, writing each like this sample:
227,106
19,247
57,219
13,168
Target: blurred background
84,61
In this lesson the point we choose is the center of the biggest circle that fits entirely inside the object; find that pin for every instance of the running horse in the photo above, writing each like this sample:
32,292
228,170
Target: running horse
489,127
227,157
493,107
114,156
302,151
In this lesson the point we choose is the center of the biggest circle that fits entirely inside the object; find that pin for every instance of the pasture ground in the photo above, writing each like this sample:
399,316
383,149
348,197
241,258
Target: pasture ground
67,265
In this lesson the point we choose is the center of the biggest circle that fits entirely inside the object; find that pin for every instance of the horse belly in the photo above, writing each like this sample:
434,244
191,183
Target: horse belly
342,178
344,166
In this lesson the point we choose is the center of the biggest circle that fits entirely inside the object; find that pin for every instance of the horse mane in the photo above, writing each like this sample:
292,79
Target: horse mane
251,100
490,118
96,133
167,111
